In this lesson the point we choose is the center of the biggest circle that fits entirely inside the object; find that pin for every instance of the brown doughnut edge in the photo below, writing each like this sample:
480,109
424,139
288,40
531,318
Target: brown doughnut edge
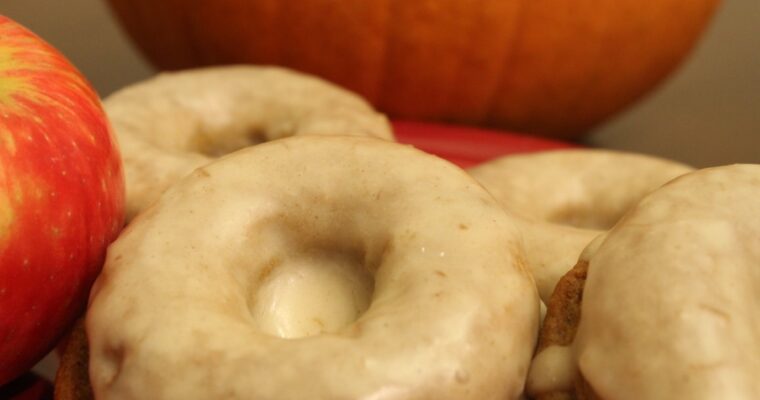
563,315
72,381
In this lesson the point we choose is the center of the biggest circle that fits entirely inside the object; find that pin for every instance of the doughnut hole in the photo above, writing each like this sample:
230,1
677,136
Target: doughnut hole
579,188
314,271
217,144
217,138
586,216
311,294
595,203
596,206
215,141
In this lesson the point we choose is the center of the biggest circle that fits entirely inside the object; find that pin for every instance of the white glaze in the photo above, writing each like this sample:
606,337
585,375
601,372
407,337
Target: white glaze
170,124
670,303
454,311
568,197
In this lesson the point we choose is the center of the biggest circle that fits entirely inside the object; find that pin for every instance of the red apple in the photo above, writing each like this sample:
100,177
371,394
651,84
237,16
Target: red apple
61,195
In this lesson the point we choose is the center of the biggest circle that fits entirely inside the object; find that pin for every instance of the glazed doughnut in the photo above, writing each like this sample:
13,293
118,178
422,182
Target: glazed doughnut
170,124
568,197
667,300
367,270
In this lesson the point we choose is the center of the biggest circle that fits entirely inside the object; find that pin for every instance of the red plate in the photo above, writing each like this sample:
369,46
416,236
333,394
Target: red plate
467,146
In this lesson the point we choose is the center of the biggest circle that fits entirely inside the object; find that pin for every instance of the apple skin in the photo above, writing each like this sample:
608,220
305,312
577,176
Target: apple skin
61,196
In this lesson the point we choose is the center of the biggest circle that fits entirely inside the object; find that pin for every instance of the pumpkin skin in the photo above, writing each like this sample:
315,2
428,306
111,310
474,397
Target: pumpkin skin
550,67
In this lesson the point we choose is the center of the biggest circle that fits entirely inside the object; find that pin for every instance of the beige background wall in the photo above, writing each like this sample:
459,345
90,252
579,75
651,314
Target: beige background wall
707,113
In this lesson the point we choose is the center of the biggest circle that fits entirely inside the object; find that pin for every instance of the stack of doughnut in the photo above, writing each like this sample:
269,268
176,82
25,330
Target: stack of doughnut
282,245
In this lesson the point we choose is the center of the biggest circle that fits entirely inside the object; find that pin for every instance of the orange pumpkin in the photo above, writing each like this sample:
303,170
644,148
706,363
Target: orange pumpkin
551,67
